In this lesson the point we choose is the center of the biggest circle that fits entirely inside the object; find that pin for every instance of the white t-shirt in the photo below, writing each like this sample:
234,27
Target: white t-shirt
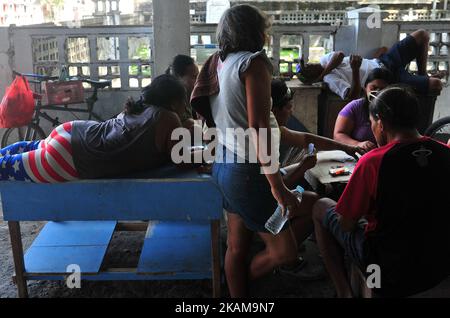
340,79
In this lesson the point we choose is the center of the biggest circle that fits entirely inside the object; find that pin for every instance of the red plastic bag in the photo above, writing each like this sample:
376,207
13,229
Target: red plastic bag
17,106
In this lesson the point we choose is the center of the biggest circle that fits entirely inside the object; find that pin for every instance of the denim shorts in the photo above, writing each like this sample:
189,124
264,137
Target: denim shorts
246,192
352,242
398,57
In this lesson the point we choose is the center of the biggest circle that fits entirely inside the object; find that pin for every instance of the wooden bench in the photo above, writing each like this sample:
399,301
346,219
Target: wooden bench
181,243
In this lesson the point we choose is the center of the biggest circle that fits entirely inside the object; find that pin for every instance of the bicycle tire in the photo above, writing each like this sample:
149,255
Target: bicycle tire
440,130
10,136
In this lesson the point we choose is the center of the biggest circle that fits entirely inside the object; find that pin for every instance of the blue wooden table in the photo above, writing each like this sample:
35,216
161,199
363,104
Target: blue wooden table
182,236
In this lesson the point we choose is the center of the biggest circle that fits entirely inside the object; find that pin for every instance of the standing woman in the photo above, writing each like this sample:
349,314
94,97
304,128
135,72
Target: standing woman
251,196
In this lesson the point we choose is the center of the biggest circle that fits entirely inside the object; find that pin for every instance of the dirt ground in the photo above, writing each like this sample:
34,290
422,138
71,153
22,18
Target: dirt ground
125,248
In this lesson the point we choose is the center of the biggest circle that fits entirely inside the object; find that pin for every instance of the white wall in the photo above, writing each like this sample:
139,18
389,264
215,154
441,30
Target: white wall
443,104
5,71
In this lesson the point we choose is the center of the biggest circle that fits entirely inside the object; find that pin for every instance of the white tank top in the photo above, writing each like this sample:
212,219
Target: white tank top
229,107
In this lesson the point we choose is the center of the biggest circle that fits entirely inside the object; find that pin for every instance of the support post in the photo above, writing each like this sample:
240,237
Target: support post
17,250
171,26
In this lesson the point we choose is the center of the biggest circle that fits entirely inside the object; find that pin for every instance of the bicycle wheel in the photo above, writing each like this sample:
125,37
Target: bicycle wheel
13,135
440,130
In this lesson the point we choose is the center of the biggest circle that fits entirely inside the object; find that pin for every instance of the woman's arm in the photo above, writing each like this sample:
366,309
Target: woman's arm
168,122
335,61
257,81
302,140
342,132
295,173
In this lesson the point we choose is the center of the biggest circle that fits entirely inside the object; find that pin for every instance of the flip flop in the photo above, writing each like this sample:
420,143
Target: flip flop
300,272
284,269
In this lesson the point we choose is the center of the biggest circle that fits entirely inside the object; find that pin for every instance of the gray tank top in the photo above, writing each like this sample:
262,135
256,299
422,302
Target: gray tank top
229,107
118,146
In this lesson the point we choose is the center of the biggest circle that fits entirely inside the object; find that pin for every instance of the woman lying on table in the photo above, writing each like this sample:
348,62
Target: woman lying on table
295,161
138,139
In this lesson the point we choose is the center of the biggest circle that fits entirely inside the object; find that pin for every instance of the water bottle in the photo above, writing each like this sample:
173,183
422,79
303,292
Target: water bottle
276,222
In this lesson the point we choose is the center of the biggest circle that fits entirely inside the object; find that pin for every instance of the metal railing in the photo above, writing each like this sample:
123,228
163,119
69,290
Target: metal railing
121,54
203,39
438,55
332,16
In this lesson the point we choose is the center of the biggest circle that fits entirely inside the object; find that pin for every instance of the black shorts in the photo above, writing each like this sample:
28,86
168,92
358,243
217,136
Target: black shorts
398,57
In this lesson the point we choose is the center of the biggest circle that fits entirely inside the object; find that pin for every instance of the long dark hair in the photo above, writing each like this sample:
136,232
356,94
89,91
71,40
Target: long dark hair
162,92
376,74
242,28
180,65
396,106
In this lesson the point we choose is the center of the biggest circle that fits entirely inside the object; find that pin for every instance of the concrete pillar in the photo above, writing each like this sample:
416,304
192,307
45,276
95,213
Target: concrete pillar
171,27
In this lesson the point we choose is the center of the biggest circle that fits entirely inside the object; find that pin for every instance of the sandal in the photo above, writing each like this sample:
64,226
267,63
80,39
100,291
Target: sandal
303,272
289,269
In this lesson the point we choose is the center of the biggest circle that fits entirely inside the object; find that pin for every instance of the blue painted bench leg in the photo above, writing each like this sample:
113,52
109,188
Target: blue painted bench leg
215,254
17,250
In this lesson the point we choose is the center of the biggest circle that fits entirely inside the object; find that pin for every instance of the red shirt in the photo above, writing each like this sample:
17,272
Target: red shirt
359,197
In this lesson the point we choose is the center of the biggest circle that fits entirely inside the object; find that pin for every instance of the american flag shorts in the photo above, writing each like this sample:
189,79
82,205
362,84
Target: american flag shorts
45,161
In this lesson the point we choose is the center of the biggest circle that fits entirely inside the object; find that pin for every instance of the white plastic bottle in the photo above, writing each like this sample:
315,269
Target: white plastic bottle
276,222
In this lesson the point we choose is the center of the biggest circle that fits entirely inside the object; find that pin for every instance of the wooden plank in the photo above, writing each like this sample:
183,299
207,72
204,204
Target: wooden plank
171,248
126,276
56,259
215,257
60,244
170,171
17,250
112,200
77,233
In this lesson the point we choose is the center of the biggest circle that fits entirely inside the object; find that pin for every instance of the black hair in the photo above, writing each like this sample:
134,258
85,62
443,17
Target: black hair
376,74
280,93
180,65
163,90
379,74
308,73
242,28
397,106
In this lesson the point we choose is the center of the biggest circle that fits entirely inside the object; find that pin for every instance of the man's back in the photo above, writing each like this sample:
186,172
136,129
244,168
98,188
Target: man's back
411,241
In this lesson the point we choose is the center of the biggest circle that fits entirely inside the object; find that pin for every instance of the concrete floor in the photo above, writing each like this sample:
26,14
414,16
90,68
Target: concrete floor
125,249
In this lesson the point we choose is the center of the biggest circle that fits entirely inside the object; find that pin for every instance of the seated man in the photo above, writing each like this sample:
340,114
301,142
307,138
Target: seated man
346,76
394,211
